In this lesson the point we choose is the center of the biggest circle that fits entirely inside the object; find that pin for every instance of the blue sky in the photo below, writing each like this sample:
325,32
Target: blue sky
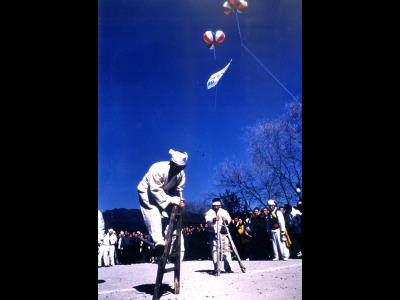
153,69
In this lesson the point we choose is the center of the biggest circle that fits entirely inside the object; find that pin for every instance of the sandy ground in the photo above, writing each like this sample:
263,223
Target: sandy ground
276,280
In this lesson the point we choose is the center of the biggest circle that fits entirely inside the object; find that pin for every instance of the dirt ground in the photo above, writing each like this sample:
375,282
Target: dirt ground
278,280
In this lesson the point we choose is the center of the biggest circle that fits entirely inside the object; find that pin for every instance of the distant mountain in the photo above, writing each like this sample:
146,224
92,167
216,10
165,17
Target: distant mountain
189,218
124,219
132,219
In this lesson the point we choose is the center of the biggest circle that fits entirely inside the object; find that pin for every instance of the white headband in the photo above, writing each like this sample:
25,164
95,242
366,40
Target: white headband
180,158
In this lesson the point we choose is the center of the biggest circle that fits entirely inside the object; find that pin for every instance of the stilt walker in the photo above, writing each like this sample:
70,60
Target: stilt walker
219,243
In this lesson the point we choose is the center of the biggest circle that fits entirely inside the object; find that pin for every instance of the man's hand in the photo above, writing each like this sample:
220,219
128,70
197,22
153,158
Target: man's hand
283,237
175,200
182,203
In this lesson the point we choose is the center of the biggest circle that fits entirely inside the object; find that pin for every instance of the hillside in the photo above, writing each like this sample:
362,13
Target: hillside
132,220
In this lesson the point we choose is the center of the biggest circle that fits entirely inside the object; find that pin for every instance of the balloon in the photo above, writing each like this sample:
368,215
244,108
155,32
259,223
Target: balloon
238,4
230,5
208,37
227,8
219,36
233,2
212,38
242,4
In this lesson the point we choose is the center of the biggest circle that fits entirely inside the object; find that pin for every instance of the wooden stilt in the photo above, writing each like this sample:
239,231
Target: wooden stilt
172,250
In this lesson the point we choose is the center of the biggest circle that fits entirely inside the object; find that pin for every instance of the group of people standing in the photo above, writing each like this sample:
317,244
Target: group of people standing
266,235
271,231
106,243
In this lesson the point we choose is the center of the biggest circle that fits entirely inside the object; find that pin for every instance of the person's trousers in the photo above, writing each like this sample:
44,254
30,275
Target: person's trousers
225,252
279,248
103,255
152,219
111,254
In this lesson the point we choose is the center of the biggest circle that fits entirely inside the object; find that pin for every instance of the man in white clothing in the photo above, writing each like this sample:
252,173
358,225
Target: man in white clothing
105,250
113,240
100,226
100,237
159,189
277,225
214,219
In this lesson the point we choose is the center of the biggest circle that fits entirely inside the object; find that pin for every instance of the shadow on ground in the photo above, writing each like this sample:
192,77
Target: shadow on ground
100,281
149,289
210,272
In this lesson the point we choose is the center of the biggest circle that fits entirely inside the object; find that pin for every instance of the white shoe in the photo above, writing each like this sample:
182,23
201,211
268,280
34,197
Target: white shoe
285,258
275,259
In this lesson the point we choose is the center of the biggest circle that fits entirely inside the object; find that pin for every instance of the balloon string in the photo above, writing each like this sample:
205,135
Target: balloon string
259,61
215,98
216,88
237,22
269,72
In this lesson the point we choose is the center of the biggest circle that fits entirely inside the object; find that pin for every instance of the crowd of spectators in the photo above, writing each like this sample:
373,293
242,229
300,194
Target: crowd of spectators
251,234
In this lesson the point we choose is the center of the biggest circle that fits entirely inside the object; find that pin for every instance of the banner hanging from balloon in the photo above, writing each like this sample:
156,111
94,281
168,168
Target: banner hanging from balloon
214,78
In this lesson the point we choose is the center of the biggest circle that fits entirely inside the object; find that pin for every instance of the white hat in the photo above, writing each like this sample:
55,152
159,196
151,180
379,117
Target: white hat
271,202
216,201
180,158
110,230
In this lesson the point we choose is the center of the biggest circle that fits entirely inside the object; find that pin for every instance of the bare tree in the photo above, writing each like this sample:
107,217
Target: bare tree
275,150
197,207
235,176
231,202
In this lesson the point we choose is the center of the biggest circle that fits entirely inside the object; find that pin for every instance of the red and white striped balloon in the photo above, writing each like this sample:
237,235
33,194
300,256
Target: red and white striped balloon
219,36
239,5
227,8
208,37
211,38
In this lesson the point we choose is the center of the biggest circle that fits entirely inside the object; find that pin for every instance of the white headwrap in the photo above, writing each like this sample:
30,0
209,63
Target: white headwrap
216,201
180,158
271,202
